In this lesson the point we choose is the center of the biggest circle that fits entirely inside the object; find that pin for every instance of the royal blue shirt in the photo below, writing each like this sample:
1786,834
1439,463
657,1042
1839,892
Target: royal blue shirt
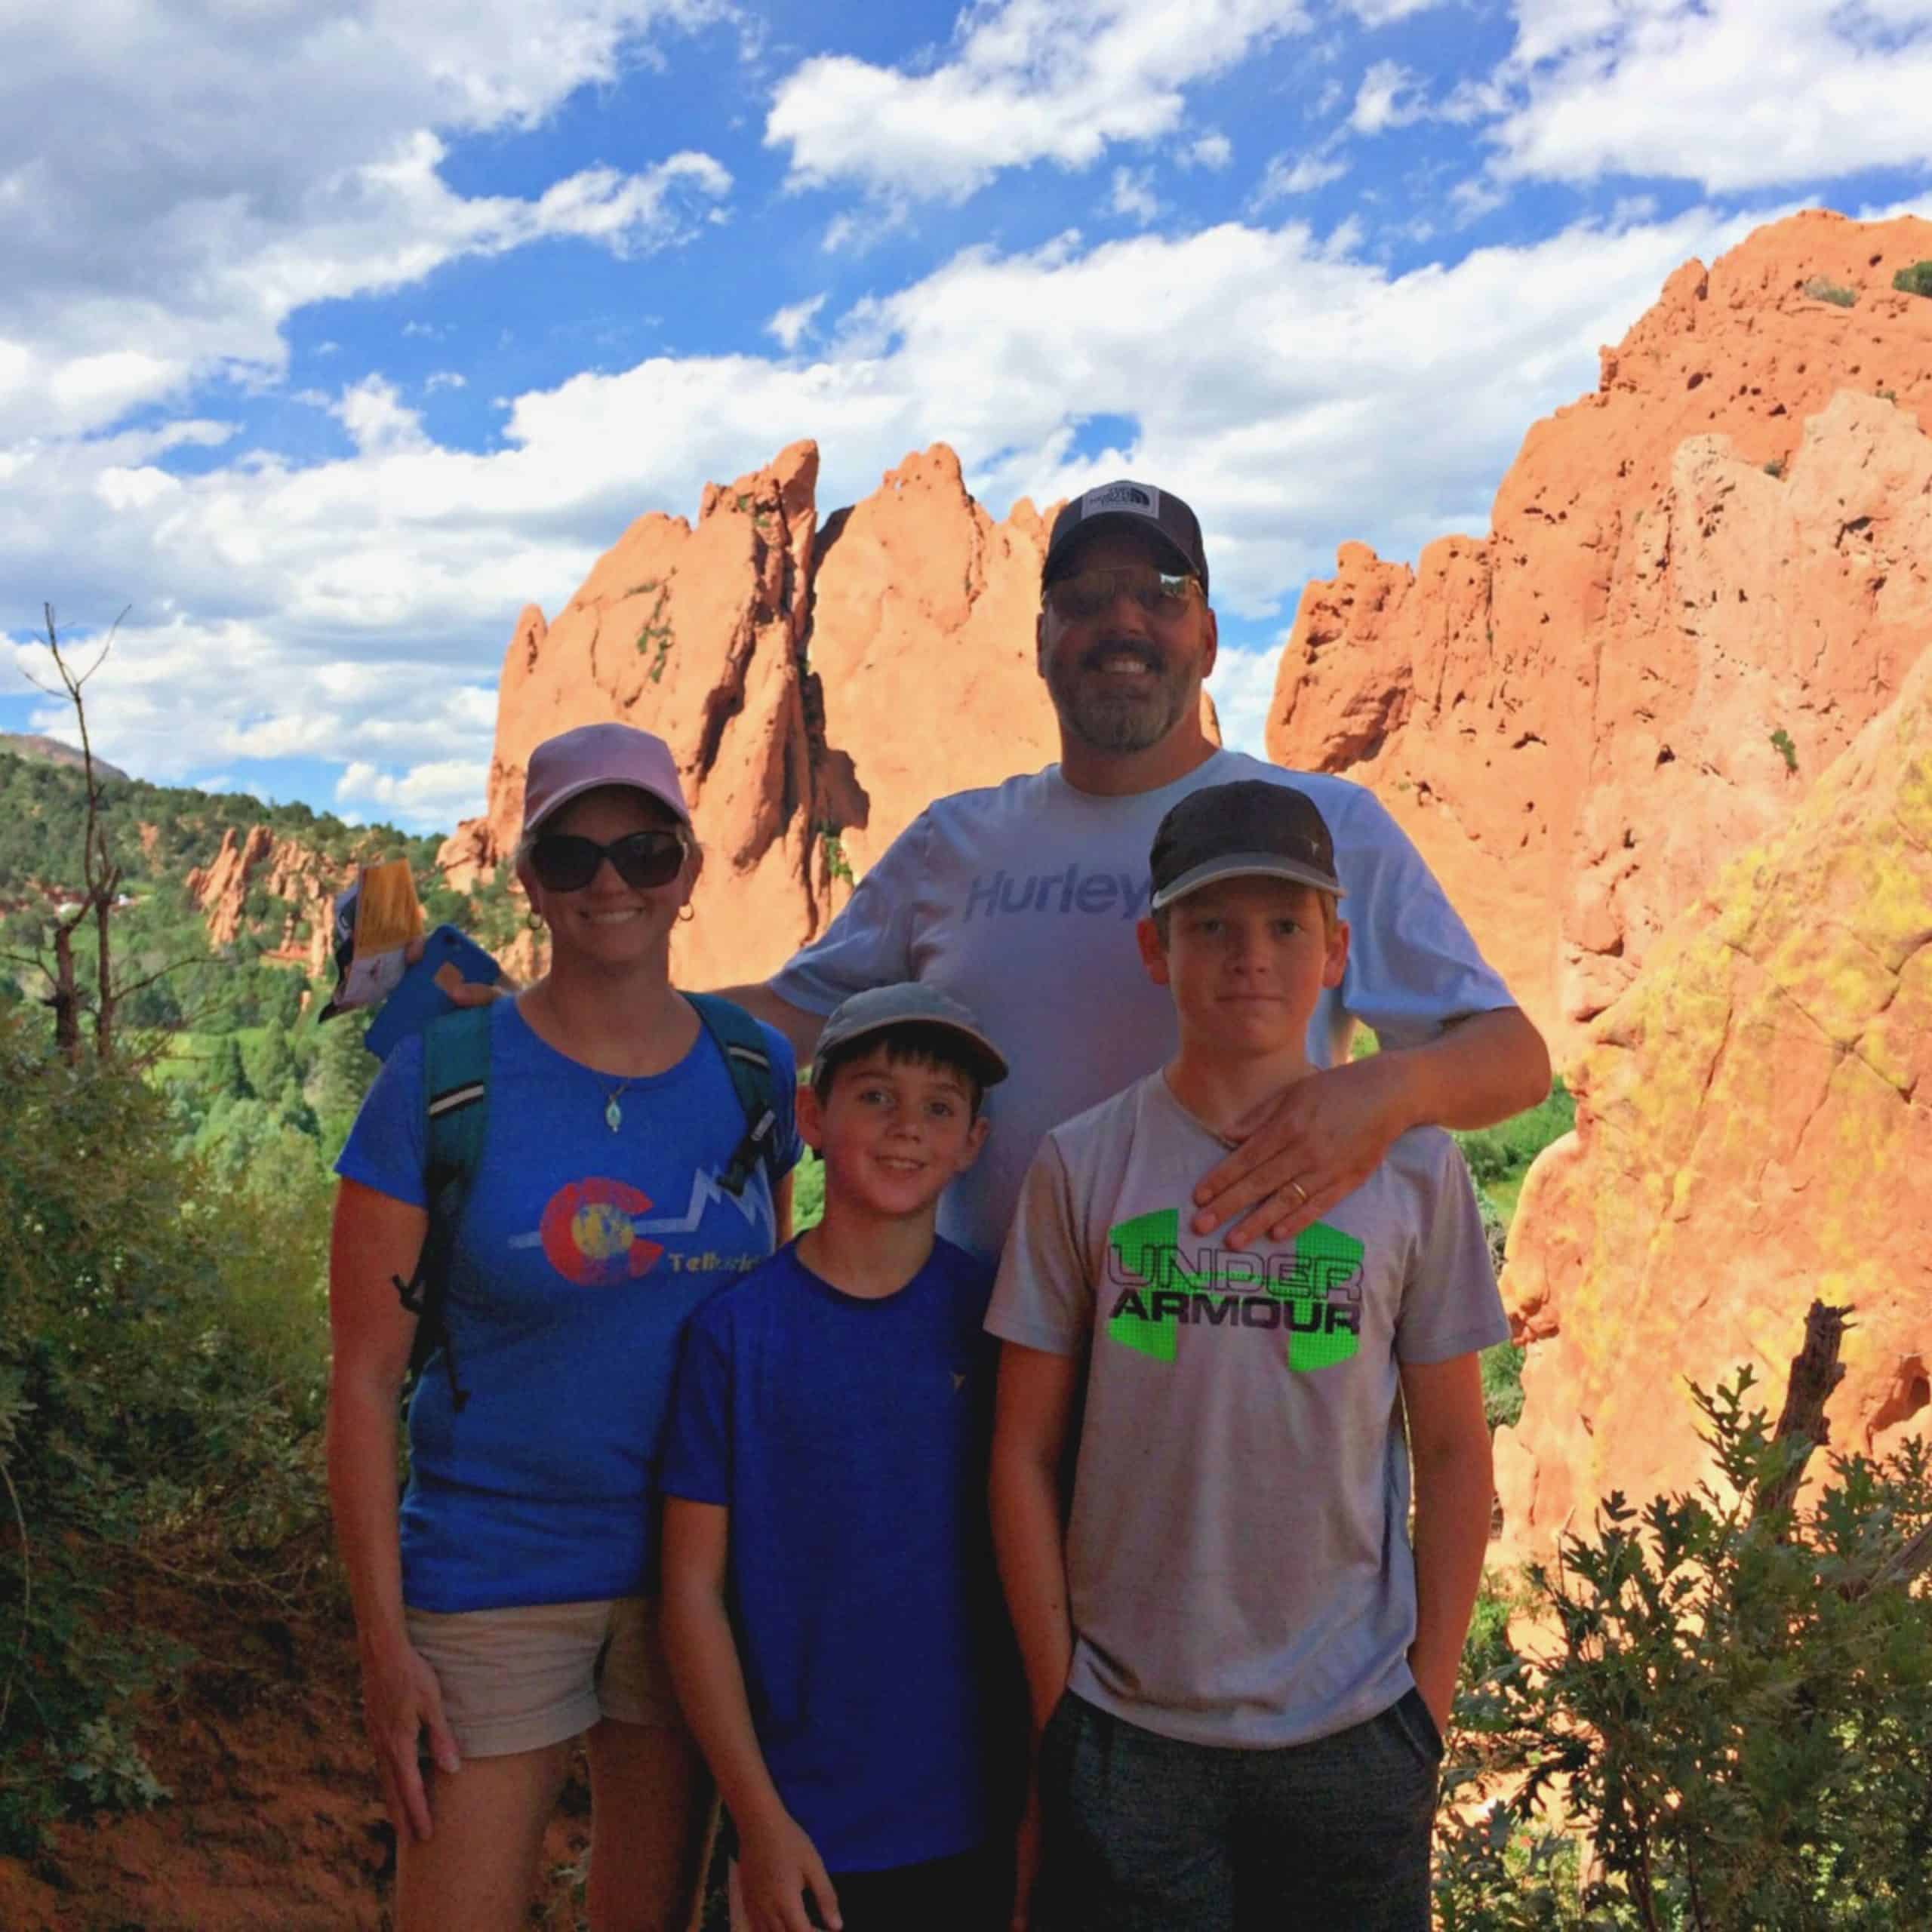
848,1437
580,1253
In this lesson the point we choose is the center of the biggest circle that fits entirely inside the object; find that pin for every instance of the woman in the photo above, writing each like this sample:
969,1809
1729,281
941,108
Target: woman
507,1611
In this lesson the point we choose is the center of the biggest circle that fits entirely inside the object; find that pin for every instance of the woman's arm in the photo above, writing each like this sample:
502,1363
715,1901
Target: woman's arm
1455,1487
376,1240
778,1864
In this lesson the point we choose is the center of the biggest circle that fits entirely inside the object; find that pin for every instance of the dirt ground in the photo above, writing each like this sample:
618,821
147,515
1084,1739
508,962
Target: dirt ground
276,1821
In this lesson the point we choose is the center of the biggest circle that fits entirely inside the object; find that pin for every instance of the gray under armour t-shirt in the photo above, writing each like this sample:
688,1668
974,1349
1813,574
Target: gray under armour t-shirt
1021,900
1238,1556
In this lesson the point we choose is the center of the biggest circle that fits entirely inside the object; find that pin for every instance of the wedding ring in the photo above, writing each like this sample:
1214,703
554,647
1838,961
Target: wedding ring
1301,1192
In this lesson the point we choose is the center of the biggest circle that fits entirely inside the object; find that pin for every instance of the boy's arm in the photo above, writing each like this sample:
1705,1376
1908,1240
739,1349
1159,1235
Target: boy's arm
778,1863
1030,1424
1454,1491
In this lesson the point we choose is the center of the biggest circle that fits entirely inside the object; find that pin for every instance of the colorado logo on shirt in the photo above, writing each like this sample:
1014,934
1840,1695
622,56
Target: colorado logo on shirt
590,1234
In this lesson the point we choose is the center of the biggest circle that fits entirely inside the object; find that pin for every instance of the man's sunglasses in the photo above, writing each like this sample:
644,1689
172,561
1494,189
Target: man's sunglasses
565,861
1088,593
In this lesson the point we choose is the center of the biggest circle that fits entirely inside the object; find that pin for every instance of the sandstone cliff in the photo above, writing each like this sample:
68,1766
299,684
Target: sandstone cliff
819,683
260,862
1700,583
1753,1130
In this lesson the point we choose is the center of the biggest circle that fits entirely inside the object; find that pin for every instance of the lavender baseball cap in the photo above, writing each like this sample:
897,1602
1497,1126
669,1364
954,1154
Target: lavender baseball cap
574,762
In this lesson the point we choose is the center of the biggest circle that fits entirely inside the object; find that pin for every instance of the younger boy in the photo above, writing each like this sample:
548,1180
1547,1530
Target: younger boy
830,1608
1239,1668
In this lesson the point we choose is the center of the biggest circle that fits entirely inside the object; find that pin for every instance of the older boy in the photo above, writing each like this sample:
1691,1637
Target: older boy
830,1609
1239,1665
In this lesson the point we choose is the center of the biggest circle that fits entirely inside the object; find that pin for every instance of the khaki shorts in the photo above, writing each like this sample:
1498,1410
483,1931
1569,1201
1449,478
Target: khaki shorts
519,1680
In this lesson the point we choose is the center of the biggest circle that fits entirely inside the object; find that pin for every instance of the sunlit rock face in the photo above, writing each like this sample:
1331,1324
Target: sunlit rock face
1701,583
819,682
1754,1130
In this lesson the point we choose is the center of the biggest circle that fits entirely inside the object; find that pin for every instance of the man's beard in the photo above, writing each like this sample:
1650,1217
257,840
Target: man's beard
1118,721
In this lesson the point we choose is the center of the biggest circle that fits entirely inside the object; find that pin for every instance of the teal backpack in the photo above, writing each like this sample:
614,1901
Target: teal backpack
456,1114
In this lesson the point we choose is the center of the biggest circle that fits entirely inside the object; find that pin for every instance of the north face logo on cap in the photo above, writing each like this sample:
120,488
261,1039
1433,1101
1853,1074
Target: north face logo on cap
1121,496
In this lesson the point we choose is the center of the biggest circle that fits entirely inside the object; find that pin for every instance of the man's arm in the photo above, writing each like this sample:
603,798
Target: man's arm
799,1026
1454,1490
777,1862
1326,1134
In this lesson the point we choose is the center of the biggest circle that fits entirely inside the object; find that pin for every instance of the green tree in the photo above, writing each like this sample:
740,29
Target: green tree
224,1077
338,1077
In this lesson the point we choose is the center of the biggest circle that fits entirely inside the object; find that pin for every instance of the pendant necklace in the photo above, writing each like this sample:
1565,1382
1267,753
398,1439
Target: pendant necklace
613,1114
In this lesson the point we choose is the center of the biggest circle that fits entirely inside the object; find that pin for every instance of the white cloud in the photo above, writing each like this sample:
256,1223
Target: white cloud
1242,687
1210,150
1298,174
1390,95
444,378
174,698
789,325
437,793
198,191
1382,12
1733,94
1023,81
356,609
1134,195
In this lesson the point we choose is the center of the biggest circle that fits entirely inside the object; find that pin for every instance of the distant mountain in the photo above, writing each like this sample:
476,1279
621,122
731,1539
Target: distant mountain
51,751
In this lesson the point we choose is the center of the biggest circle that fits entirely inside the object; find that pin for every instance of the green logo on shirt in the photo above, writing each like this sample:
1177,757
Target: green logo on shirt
1313,1291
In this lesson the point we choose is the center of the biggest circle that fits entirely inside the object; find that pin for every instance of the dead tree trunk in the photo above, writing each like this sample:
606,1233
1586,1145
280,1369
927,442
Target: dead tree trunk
1815,1373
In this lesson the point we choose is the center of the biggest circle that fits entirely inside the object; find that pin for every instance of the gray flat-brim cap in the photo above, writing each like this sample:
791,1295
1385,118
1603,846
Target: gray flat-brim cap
907,1003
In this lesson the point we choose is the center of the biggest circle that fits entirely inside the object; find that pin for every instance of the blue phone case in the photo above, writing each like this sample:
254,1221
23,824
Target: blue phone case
418,999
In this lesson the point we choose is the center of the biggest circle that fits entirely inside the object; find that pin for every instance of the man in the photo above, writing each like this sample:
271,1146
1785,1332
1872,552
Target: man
1021,900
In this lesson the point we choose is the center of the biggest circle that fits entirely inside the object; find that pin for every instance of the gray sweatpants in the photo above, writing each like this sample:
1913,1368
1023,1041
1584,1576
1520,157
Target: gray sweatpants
1144,1833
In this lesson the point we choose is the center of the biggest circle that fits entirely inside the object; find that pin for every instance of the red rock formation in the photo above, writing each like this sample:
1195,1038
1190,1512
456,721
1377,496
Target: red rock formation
1730,539
285,870
819,686
1753,1130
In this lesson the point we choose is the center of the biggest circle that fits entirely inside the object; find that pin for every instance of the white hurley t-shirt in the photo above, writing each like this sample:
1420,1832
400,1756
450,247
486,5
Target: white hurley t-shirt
1021,900
1238,1566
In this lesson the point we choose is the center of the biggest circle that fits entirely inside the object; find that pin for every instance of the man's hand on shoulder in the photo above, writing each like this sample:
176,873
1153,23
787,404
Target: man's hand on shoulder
1314,1145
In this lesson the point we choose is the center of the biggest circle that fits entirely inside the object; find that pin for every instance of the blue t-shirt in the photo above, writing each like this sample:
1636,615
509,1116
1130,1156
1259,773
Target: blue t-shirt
579,1253
847,1437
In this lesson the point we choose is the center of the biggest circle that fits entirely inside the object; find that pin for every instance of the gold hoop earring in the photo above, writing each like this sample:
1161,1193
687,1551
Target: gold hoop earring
686,913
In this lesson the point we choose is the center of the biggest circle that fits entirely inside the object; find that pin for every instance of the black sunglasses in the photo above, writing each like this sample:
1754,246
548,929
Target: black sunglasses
567,861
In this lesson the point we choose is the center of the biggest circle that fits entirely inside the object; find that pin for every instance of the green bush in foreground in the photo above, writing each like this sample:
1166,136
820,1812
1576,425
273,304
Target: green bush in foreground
162,1356
1738,1711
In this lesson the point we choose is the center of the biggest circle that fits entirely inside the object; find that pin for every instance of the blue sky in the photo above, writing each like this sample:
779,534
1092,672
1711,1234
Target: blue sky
339,329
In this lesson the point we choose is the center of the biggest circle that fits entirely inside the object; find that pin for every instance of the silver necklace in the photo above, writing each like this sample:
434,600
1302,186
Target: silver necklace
613,1114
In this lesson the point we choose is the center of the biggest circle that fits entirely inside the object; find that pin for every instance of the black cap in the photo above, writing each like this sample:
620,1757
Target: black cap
1251,829
1130,506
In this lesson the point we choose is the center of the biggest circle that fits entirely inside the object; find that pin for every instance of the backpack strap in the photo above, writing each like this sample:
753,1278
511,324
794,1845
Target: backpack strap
456,1117
741,1040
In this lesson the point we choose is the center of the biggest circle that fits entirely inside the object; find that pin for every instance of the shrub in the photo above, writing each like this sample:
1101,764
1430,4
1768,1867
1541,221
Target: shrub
1821,288
162,1352
1738,1709
1916,279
